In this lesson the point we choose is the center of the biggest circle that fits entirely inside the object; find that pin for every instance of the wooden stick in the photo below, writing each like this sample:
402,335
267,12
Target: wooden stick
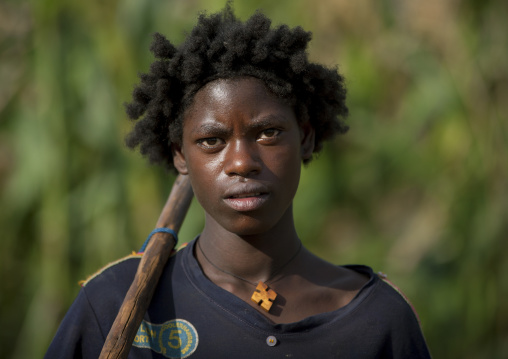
138,298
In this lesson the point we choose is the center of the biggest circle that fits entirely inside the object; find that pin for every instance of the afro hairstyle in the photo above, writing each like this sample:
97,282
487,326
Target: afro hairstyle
220,46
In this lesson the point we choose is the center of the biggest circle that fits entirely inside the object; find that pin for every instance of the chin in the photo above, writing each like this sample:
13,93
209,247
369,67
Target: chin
248,226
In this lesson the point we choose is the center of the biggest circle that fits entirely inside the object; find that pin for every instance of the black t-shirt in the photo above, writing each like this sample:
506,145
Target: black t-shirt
190,316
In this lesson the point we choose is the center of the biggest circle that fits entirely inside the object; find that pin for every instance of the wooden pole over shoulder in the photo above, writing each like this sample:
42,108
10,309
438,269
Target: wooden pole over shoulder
119,340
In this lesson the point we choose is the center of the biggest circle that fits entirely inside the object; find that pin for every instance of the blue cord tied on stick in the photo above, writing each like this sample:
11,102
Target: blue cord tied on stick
157,230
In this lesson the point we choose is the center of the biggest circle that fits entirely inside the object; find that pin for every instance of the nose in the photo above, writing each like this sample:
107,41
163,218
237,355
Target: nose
242,159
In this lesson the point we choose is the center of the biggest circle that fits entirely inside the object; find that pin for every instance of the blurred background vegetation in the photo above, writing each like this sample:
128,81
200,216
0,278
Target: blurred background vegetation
417,189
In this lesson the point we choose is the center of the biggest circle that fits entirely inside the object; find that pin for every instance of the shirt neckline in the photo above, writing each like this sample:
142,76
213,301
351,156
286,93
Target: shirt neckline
237,309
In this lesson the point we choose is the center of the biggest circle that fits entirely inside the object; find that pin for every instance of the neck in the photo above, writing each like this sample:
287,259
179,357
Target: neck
253,257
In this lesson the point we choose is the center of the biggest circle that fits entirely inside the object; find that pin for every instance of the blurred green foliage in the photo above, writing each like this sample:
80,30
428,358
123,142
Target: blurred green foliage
418,188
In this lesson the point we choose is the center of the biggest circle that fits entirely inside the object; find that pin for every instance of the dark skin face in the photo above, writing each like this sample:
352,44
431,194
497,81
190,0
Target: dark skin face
246,149
242,148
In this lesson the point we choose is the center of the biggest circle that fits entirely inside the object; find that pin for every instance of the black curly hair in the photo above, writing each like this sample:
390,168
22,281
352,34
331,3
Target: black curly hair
221,46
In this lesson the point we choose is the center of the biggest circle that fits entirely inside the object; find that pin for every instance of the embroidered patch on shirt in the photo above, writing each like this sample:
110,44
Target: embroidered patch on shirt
176,338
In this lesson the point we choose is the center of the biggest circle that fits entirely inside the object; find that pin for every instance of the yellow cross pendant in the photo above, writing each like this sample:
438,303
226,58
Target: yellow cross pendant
263,296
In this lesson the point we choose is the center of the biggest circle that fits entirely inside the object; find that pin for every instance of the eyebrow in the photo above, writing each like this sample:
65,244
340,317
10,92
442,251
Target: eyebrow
267,121
218,129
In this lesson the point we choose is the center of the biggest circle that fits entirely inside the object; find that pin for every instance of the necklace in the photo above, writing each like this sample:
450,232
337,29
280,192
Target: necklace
263,295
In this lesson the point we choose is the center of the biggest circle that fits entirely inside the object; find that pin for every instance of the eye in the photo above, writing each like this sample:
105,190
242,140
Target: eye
210,142
269,133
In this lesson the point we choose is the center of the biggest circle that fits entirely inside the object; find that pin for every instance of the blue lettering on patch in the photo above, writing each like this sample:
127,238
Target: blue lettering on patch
176,338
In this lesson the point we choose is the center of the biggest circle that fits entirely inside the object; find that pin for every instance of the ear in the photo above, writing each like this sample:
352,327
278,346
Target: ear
308,138
179,159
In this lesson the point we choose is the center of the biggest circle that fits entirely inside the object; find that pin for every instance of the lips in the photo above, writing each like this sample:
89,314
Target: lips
256,194
246,197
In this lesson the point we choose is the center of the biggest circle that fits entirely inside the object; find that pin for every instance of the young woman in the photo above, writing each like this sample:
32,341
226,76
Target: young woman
238,108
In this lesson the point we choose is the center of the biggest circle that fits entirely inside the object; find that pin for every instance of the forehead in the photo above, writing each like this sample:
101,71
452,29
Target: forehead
239,94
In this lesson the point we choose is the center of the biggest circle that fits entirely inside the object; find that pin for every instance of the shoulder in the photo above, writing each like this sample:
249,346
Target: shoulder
384,296
87,322
381,305
104,291
117,276
125,266
396,296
